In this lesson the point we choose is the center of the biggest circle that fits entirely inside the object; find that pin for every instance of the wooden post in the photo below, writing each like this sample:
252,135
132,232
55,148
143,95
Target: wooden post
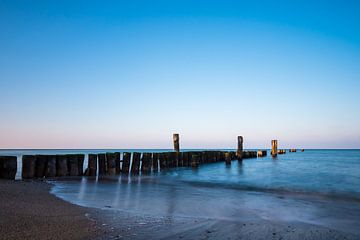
274,146
126,162
185,159
28,166
194,161
61,166
176,140
239,152
102,163
261,153
92,165
227,158
135,165
8,167
50,170
117,162
146,163
172,159
155,164
73,164
40,166
110,163
162,161
81,158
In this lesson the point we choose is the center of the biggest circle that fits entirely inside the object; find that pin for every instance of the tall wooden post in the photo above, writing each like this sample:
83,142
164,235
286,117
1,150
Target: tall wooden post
239,152
176,140
274,144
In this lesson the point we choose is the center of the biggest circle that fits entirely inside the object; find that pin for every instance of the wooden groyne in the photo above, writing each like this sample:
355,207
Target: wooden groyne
115,163
110,163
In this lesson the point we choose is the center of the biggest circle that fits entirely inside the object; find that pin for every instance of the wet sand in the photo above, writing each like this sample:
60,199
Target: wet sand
29,211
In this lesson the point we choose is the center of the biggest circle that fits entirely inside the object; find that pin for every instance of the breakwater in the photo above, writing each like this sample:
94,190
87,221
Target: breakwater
127,162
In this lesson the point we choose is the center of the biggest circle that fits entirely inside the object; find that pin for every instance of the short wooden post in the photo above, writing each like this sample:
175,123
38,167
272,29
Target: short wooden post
92,165
8,167
240,148
61,166
28,166
185,159
162,161
146,163
135,165
126,162
117,162
176,140
73,164
81,158
274,146
41,161
261,153
227,158
110,163
155,164
50,170
195,161
102,163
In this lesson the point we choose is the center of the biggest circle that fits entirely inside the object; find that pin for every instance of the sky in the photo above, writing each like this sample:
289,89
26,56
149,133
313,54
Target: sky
129,74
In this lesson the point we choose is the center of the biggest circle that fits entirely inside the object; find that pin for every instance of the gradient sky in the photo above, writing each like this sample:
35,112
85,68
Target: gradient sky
128,74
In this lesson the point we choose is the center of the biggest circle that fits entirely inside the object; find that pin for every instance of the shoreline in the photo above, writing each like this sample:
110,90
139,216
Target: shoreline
29,210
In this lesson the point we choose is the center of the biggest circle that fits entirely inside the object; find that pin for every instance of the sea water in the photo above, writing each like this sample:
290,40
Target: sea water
316,186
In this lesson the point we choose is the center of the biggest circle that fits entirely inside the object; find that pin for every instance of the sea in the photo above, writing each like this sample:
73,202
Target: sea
316,186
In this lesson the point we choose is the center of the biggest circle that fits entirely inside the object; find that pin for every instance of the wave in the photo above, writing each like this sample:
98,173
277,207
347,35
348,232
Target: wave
345,196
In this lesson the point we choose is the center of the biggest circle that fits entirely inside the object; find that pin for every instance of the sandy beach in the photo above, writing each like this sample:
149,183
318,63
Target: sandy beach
29,211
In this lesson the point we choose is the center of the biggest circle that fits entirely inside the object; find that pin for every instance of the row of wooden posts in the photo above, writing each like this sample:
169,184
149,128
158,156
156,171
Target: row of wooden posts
111,163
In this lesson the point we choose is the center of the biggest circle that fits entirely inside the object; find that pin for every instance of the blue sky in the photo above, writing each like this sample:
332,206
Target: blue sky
128,74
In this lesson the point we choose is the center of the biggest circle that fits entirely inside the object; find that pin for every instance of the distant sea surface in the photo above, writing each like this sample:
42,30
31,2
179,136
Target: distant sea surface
315,186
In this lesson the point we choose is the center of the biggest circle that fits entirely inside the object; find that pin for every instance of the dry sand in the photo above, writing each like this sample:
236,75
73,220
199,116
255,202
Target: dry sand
28,211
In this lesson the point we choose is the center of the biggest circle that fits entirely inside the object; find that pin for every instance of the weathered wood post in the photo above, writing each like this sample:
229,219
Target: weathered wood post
73,164
50,170
261,153
40,167
195,161
227,158
135,165
8,167
81,158
176,140
274,145
92,165
28,166
61,166
240,148
146,163
117,162
126,162
155,163
162,161
102,163
110,163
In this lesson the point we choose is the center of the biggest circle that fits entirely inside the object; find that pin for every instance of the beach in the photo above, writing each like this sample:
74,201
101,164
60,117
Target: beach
30,211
